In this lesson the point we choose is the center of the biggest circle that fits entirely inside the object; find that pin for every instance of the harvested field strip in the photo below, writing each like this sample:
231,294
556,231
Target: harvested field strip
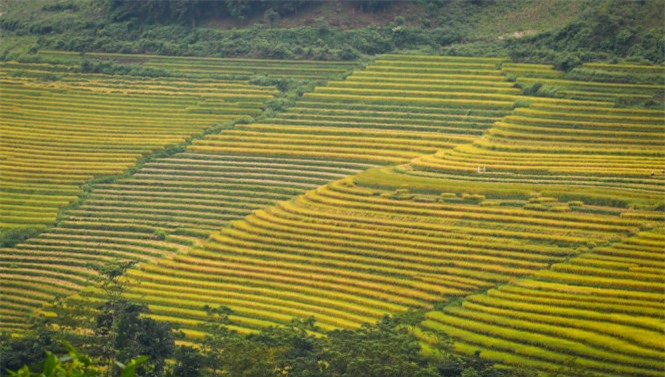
449,86
340,191
477,227
417,109
624,88
343,134
463,127
381,117
225,66
536,111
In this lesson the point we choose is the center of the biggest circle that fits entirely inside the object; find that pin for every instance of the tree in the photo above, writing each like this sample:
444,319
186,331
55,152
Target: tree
137,334
217,336
73,365
109,281
122,329
188,362
386,349
26,350
375,5
291,349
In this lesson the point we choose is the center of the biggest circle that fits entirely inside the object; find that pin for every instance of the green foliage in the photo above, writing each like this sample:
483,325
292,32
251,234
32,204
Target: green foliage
160,235
137,334
74,365
374,5
218,338
12,236
113,68
194,11
188,362
606,29
386,349
26,350
571,368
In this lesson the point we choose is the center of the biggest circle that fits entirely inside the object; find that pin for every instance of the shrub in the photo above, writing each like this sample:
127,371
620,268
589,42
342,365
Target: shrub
12,236
159,234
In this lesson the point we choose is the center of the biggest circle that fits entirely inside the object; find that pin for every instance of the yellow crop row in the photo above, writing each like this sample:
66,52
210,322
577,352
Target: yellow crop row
617,349
445,228
566,148
623,66
452,102
579,296
577,123
339,191
373,259
508,131
278,270
600,108
403,252
410,237
322,288
417,95
649,343
561,306
572,116
329,137
604,360
591,84
449,86
265,295
248,306
518,229
346,154
364,306
360,78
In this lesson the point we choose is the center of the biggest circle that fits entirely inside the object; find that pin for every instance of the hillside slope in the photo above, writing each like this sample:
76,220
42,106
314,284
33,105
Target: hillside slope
562,32
475,187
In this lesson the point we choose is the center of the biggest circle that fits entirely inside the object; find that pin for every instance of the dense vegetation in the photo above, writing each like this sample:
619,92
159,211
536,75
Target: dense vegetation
578,32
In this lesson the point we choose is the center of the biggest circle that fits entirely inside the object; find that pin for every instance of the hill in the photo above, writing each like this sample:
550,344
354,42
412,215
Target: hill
497,215
560,32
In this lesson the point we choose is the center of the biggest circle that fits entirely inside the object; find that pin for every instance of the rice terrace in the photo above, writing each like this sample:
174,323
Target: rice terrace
332,188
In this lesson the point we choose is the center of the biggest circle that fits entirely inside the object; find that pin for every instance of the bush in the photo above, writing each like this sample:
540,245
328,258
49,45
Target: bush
159,234
12,236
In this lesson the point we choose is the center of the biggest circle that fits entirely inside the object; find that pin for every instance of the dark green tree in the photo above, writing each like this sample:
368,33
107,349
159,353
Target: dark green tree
382,350
28,349
291,348
188,362
218,337
137,334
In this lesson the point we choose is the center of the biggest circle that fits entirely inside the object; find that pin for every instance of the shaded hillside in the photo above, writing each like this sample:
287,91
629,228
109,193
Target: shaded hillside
561,32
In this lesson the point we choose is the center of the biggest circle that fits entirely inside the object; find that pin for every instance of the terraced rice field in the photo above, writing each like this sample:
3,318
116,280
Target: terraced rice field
363,252
604,307
566,142
58,134
226,176
416,182
238,68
